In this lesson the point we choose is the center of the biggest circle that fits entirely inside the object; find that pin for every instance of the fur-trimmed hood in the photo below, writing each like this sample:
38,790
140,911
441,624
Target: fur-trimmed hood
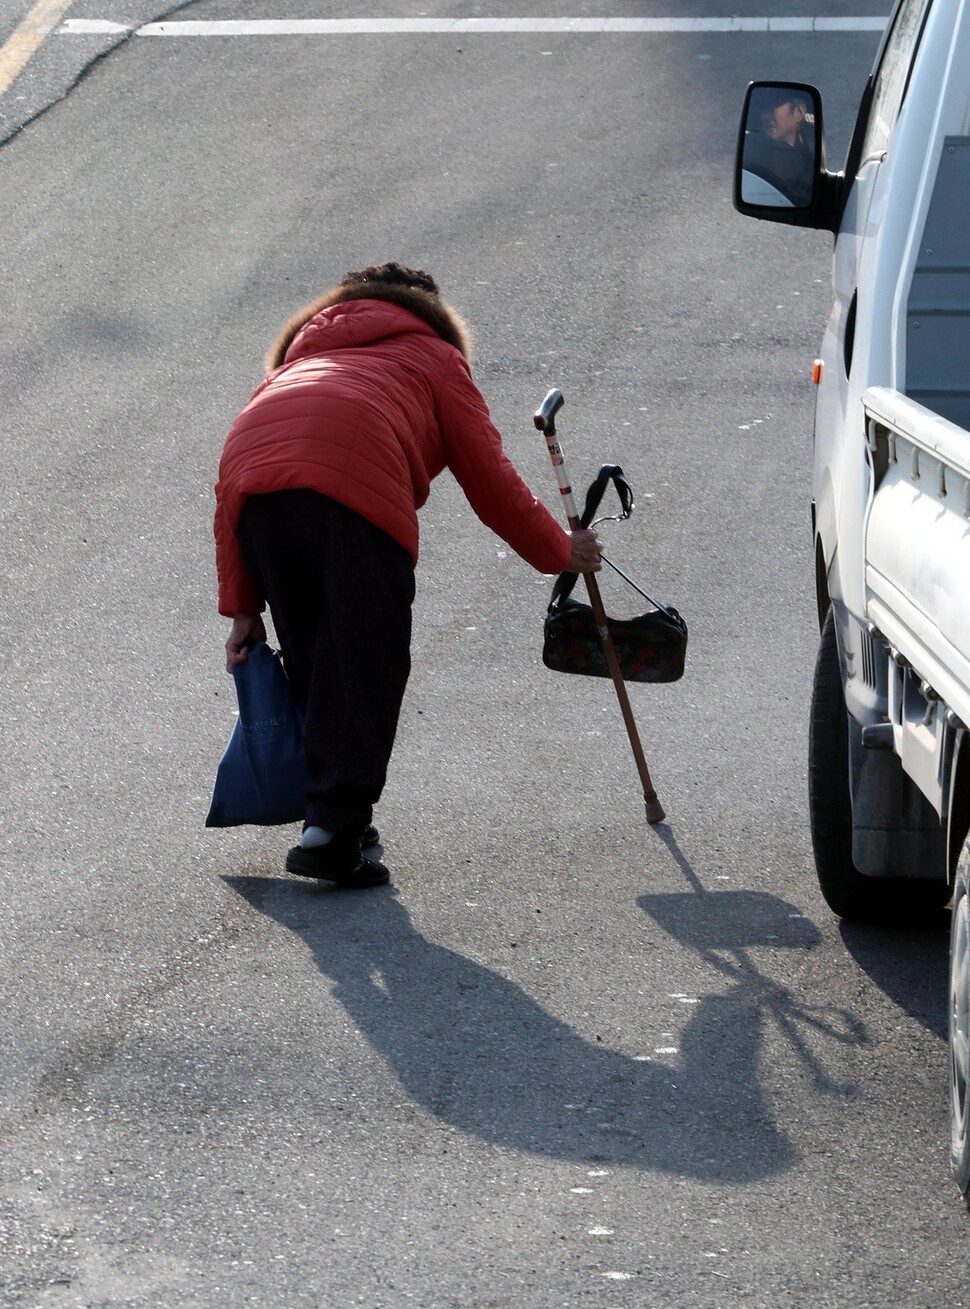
444,321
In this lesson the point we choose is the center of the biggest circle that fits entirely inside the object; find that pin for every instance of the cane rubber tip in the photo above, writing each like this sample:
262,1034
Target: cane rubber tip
655,811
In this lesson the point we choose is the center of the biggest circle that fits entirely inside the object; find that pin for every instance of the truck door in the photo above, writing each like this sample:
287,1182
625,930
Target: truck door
858,222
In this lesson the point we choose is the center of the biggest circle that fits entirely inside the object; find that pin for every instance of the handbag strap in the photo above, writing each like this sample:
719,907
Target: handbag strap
597,489
664,609
608,473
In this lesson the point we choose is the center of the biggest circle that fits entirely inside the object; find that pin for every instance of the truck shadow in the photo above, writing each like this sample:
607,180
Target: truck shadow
909,965
477,1051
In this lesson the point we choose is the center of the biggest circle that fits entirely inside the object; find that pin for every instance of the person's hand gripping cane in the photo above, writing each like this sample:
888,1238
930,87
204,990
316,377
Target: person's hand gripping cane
585,557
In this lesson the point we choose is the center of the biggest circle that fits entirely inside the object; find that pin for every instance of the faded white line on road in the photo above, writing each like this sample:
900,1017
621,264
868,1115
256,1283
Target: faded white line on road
466,26
27,36
91,27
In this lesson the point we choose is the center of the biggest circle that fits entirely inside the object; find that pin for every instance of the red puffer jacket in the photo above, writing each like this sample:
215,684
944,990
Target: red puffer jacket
369,406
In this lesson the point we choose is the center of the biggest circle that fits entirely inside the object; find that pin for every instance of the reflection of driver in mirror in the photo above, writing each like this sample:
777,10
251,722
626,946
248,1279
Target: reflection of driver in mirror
779,141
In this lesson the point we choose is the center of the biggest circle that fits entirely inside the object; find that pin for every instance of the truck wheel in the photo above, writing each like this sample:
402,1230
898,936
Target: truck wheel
959,1038
829,804
845,890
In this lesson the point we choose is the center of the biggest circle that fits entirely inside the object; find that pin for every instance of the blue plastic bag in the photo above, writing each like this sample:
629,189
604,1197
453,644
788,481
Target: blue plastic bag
262,777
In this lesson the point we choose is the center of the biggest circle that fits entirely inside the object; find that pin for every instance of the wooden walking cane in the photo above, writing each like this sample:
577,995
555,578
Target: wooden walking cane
545,421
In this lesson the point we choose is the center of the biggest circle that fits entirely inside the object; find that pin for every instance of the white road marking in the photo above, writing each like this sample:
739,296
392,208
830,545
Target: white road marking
464,26
91,27
44,19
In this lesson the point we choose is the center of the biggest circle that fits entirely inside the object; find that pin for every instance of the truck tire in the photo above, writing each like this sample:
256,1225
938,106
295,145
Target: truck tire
959,1034
845,890
829,803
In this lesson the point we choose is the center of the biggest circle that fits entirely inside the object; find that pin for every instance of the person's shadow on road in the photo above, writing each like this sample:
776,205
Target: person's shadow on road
474,1049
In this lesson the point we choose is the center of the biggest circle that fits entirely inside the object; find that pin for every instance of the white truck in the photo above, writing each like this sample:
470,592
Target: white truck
889,752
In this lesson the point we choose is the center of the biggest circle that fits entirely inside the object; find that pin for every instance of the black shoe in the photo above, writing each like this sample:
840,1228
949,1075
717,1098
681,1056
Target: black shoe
340,861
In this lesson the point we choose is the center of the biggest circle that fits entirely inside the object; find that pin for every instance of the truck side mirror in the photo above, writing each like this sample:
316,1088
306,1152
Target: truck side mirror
779,170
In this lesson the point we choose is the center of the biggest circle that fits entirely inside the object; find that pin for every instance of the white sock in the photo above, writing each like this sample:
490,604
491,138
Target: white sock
314,837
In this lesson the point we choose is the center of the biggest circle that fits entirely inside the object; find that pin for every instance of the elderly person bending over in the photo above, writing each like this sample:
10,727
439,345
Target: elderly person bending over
369,396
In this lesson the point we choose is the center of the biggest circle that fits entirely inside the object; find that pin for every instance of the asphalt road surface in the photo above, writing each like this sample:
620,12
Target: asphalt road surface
566,1058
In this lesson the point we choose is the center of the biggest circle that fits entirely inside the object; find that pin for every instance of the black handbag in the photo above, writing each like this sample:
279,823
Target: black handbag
649,648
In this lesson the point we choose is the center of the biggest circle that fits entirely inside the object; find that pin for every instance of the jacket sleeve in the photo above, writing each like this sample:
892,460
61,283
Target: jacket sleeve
496,492
237,593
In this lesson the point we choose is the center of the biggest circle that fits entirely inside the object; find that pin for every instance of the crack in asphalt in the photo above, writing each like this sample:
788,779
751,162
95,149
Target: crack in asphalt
11,125
62,1085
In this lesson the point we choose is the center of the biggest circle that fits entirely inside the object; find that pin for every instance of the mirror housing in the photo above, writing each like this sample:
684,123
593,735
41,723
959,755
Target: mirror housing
779,166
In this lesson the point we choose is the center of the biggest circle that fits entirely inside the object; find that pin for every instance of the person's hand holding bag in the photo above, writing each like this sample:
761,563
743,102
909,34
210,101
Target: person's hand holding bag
247,630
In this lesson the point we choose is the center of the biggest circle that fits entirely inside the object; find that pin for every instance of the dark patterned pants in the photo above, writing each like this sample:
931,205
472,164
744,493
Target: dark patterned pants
340,592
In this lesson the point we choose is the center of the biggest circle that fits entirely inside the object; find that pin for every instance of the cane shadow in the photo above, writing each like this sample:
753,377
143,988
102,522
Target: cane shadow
479,1053
723,927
